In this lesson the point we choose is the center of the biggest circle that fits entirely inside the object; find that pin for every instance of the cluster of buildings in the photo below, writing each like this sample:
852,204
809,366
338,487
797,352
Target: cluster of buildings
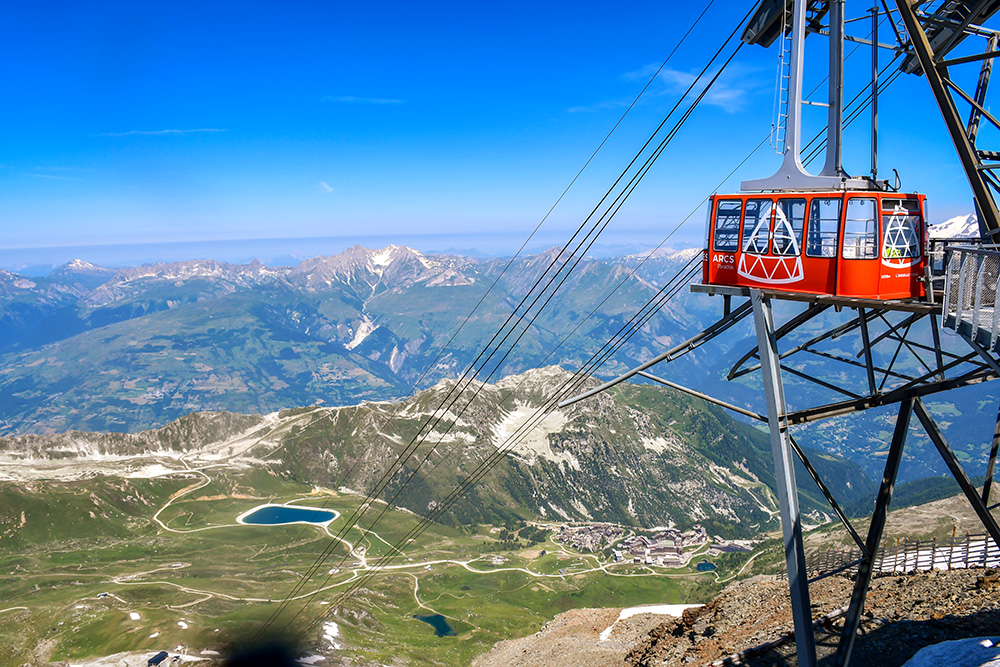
589,538
663,548
666,548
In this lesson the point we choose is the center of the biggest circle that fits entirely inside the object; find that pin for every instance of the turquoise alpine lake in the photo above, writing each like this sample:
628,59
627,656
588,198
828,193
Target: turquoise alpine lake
276,515
439,623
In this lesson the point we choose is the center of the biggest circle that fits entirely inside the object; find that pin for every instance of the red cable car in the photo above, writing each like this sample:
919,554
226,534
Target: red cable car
851,243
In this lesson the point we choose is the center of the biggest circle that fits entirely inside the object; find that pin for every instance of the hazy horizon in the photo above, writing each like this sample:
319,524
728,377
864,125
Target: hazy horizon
39,261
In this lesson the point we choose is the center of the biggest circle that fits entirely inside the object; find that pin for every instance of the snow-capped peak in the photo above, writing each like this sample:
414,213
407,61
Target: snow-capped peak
959,227
80,265
384,256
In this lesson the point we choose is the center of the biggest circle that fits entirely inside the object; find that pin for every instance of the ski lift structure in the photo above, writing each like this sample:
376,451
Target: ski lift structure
850,261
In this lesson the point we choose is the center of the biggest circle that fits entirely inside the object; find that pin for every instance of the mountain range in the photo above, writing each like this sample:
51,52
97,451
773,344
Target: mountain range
88,347
640,455
959,227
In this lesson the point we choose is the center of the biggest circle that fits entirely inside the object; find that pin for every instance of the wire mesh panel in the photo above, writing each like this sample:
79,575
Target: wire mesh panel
970,292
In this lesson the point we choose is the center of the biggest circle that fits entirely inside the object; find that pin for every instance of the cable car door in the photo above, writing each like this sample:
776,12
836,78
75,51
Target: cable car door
902,263
822,233
858,274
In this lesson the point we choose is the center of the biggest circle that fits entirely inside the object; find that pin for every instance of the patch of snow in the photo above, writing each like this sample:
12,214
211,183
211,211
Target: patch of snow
330,633
154,635
663,609
134,615
974,652
384,256
312,659
151,471
184,626
23,283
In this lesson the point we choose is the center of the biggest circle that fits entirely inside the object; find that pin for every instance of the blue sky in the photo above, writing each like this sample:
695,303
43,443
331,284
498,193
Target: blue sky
139,123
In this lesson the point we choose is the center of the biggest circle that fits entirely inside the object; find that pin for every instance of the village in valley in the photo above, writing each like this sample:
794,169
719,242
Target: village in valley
664,547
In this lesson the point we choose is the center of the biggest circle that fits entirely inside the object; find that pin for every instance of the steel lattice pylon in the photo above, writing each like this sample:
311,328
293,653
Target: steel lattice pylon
885,332
892,339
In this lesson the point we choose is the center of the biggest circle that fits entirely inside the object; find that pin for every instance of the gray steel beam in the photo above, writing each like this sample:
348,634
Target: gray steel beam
784,470
853,617
673,353
972,129
786,328
889,398
988,484
835,113
965,149
825,490
957,471
704,397
867,349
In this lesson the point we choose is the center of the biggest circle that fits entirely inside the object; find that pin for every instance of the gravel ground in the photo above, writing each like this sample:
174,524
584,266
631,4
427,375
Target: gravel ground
573,638
902,615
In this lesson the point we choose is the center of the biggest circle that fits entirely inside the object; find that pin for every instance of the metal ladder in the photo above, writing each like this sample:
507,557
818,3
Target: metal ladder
779,127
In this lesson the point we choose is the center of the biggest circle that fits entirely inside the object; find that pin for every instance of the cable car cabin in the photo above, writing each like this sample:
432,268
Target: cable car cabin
861,244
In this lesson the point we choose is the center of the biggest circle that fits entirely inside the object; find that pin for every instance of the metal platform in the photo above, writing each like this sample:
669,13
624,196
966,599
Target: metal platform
897,305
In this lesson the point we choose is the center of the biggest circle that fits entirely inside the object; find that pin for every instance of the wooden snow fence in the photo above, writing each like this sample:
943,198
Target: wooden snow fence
904,555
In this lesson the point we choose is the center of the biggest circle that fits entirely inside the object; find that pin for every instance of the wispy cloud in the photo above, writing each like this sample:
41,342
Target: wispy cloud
731,92
54,172
361,100
160,132
53,176
600,106
326,188
724,94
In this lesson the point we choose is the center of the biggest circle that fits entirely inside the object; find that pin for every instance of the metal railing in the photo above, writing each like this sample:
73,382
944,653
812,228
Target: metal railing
910,555
969,305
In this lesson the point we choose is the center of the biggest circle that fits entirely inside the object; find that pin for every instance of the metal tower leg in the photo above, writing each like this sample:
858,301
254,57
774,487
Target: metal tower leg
853,617
784,471
988,484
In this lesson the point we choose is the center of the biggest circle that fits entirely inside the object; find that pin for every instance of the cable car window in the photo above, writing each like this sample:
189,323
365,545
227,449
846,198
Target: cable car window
824,226
757,226
727,224
911,206
859,229
789,220
901,232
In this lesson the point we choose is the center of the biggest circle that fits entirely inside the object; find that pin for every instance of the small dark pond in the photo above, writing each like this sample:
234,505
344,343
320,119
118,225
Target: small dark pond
275,515
705,566
439,623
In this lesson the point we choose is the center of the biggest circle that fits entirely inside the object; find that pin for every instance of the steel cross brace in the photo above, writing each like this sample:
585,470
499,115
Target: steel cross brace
853,617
